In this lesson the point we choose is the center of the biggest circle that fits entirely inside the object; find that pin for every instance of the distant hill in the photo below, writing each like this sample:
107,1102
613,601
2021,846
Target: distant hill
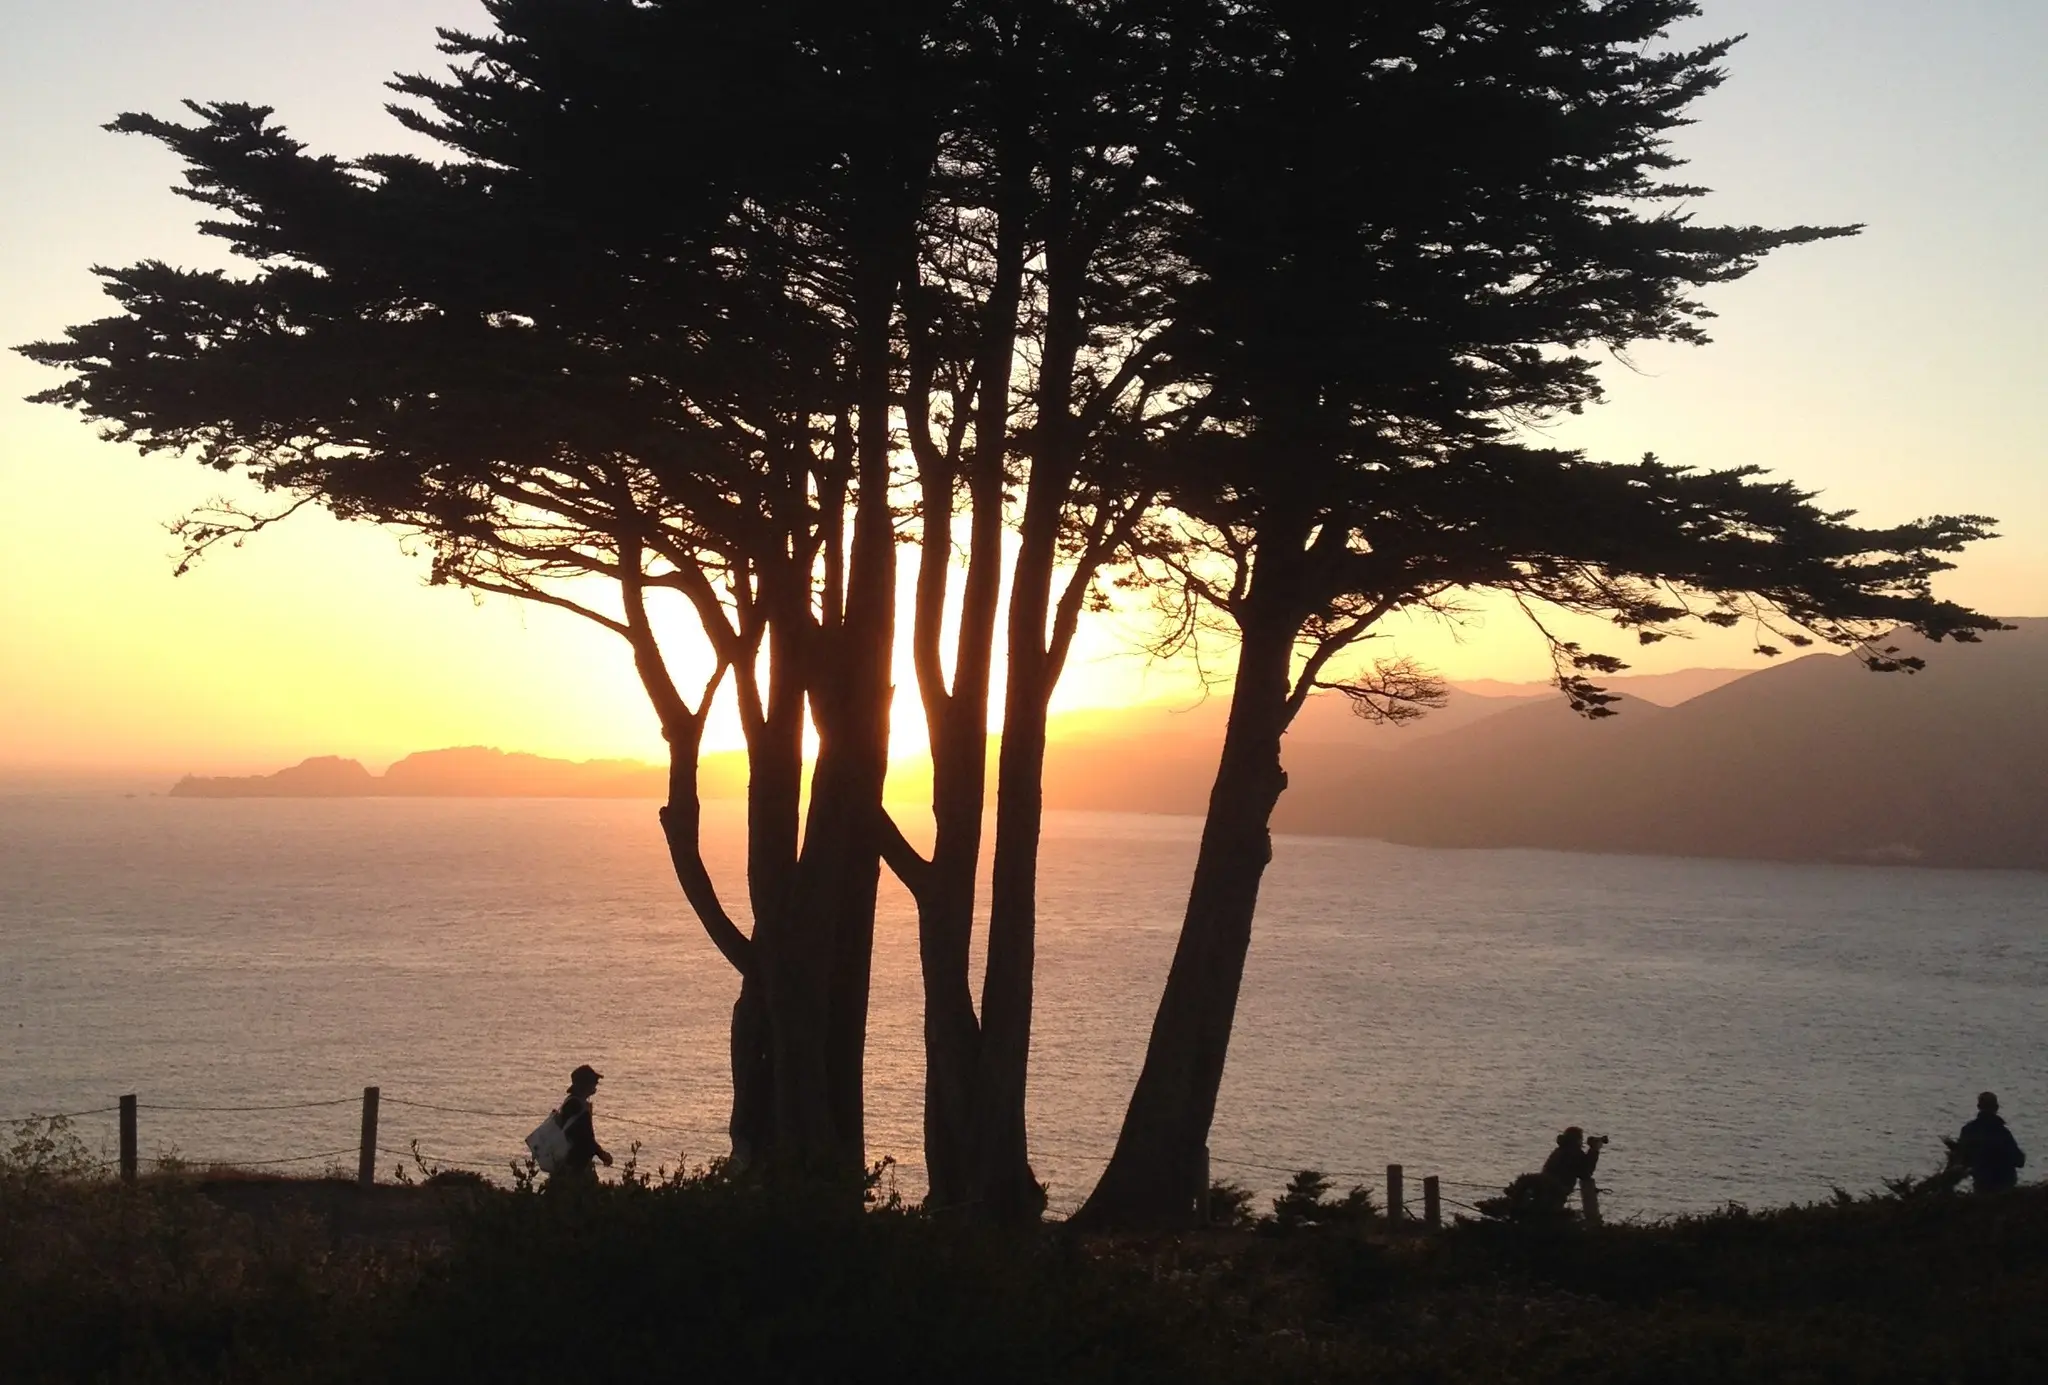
323,776
468,772
1664,689
1814,760
1162,759
1156,758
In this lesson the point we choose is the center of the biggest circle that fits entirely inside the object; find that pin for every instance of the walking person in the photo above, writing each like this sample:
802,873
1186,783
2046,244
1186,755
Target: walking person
578,1127
1988,1150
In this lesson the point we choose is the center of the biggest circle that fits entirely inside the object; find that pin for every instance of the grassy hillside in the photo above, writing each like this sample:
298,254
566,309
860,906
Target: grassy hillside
190,1278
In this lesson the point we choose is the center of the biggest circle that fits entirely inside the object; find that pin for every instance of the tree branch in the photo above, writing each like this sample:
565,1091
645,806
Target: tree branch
903,858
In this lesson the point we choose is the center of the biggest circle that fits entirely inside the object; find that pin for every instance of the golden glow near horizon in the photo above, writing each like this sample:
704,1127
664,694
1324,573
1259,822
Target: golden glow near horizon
1894,372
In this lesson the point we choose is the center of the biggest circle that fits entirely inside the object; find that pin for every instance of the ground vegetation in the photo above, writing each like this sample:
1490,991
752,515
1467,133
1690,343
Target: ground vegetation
211,1276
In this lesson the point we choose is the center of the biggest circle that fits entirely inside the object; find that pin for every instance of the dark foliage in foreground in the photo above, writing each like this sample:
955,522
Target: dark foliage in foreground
214,1278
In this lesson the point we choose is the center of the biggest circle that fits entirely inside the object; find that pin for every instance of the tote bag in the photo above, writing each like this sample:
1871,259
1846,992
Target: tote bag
550,1145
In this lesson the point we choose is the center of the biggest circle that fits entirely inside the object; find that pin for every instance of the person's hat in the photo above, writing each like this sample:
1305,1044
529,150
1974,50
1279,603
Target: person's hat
1987,1101
585,1073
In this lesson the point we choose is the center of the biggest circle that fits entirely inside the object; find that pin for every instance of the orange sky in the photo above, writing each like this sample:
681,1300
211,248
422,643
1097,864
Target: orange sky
1897,372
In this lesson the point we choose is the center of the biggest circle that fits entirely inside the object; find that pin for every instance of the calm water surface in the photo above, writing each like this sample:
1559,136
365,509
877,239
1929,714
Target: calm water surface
1751,1033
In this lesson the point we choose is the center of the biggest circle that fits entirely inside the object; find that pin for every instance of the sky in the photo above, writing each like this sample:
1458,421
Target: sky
1899,373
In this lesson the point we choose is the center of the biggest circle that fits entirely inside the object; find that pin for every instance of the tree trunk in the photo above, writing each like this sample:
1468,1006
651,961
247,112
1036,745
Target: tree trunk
952,1033
1005,1184
946,892
840,868
834,914
957,719
775,768
1006,1187
1151,1178
814,963
751,1126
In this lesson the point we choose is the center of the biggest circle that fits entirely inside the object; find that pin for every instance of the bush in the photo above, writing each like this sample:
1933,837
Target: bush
721,1281
1307,1203
1230,1205
701,1277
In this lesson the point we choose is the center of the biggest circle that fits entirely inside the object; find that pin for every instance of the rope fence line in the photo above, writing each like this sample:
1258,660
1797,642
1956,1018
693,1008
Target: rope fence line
266,1163
215,1110
61,1115
457,1110
1340,1175
669,1129
610,1116
367,1152
438,1159
350,1101
369,1149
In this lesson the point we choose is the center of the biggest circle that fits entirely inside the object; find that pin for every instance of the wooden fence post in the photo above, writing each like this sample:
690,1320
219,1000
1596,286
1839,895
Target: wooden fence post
1397,1208
1202,1189
366,1166
1432,1203
128,1157
1589,1201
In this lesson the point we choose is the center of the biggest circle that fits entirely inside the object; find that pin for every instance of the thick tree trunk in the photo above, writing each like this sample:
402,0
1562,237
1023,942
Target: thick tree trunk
839,869
945,892
952,1033
775,768
1152,1178
834,918
1005,1184
682,828
752,1126
814,963
957,719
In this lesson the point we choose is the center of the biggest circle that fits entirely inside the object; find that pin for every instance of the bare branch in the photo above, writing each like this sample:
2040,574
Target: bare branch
527,591
903,858
1332,643
224,522
1396,691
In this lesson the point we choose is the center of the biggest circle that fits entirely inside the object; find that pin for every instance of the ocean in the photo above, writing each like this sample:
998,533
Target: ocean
1747,1033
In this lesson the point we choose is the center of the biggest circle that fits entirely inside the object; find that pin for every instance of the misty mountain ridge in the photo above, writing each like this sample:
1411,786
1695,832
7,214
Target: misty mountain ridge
464,772
1181,737
1813,759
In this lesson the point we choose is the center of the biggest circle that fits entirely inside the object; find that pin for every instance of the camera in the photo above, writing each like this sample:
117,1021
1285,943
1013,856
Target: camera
1597,1141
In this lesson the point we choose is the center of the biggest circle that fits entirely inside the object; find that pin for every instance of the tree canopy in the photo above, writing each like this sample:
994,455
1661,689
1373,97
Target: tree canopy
1407,228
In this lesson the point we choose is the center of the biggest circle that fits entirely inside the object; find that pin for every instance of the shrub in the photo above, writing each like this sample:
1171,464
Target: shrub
1306,1203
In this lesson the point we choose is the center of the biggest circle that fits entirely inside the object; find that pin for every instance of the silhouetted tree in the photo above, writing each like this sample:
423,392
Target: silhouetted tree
639,328
1292,270
1027,346
1407,227
553,365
